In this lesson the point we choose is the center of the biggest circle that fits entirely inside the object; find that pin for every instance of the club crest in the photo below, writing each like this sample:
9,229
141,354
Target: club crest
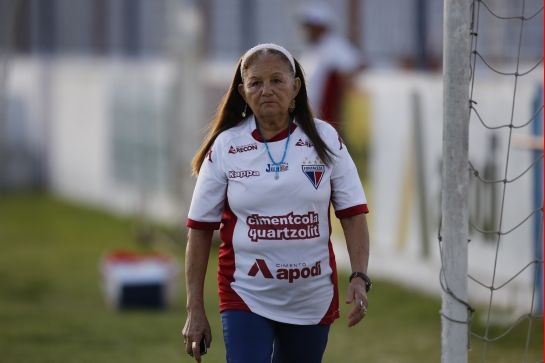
314,173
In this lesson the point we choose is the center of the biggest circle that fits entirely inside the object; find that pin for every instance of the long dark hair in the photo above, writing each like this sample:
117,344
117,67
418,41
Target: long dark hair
229,114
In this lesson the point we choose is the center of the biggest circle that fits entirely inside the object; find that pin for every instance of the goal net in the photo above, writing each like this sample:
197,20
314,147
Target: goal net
491,235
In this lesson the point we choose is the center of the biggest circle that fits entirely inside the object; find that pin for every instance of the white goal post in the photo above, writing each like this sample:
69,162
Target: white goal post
455,175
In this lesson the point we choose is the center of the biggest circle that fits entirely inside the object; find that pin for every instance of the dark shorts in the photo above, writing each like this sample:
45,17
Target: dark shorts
250,338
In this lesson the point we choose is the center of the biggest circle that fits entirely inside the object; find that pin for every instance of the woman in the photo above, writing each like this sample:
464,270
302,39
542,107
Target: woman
267,173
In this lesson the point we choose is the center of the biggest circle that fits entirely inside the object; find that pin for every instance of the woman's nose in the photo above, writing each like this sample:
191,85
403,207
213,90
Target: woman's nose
267,87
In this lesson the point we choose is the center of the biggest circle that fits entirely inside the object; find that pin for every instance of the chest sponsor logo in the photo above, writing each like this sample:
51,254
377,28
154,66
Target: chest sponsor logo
306,143
289,272
271,168
284,227
314,173
242,148
240,174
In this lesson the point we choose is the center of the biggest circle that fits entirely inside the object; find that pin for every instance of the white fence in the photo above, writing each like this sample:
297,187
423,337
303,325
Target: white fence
110,135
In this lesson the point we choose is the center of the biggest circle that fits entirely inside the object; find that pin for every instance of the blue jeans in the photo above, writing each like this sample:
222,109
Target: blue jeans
250,338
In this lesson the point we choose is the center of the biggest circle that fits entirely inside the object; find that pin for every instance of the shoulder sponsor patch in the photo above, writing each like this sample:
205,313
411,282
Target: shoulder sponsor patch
242,148
341,142
209,155
306,143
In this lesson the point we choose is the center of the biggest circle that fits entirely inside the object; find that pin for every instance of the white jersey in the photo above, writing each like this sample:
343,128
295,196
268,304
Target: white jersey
276,257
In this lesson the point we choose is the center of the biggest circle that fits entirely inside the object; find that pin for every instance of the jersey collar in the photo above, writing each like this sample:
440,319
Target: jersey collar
280,136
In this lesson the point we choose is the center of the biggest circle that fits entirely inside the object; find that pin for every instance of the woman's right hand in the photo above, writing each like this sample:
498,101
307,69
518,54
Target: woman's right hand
196,261
196,327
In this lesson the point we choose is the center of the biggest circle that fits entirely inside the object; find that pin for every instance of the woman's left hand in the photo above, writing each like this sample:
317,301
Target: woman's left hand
356,294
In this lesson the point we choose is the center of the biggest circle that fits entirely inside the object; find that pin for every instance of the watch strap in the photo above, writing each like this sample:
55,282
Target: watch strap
364,277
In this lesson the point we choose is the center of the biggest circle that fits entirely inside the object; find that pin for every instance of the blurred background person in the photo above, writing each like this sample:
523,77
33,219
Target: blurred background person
330,62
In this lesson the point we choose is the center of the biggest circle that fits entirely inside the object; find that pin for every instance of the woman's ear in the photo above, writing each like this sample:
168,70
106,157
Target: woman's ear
297,85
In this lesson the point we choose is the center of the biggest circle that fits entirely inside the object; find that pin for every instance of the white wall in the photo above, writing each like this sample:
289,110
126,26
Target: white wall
397,252
75,130
79,148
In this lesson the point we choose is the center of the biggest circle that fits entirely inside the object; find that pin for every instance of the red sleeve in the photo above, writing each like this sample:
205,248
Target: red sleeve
352,211
202,225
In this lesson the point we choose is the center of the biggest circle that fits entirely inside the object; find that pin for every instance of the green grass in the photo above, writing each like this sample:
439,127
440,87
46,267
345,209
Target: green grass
52,308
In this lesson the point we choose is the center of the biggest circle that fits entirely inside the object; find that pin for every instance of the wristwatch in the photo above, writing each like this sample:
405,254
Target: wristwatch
364,277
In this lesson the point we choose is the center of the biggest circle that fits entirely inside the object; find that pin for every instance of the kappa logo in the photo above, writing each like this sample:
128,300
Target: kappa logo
243,148
314,173
306,143
238,174
294,272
